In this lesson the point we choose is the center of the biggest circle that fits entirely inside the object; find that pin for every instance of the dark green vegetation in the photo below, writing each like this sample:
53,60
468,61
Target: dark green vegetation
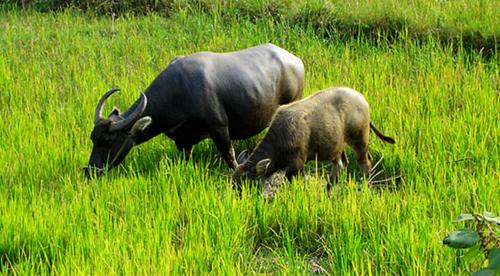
469,24
157,214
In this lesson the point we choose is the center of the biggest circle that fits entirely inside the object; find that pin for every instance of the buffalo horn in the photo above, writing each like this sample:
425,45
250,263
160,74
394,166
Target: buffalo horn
100,105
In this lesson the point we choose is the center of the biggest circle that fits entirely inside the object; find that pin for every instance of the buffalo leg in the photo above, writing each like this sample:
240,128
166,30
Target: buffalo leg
185,149
186,152
223,143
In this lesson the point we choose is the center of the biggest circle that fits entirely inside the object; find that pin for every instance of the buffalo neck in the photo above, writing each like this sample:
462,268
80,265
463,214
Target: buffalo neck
154,128
162,107
151,131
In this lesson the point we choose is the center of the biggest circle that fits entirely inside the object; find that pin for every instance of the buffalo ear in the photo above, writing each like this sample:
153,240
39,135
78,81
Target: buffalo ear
114,112
262,166
242,157
141,124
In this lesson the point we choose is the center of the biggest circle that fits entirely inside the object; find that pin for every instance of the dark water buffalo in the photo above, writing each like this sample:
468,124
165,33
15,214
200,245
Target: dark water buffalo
318,127
221,96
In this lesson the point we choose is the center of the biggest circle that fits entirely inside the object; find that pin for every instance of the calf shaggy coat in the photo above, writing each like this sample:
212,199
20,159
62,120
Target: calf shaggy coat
318,127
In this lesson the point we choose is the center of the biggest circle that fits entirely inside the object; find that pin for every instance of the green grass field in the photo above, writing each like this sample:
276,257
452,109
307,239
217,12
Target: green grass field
157,214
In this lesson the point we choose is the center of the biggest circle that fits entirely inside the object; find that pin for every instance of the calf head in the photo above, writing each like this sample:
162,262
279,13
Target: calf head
249,171
113,137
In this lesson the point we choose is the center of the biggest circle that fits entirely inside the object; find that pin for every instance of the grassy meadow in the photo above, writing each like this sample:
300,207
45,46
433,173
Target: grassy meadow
157,214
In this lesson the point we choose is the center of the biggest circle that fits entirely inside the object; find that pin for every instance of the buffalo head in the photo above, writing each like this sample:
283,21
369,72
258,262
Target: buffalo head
113,137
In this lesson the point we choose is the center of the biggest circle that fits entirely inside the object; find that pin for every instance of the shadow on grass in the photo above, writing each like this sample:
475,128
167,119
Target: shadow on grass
205,153
383,175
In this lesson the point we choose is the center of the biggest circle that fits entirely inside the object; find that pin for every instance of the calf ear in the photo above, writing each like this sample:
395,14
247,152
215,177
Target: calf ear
141,124
262,166
242,157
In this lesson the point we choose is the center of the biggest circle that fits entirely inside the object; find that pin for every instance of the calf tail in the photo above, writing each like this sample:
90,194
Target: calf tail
380,135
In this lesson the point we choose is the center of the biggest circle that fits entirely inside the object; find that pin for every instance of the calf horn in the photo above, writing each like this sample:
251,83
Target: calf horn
100,105
132,116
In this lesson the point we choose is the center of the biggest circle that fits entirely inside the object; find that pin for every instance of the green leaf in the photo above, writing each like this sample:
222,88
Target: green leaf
484,272
463,238
464,217
489,214
472,253
491,217
494,259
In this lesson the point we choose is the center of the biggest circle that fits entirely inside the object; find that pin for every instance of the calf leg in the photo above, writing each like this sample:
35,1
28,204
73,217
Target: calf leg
335,172
360,147
339,163
222,141
345,160
363,162
294,168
